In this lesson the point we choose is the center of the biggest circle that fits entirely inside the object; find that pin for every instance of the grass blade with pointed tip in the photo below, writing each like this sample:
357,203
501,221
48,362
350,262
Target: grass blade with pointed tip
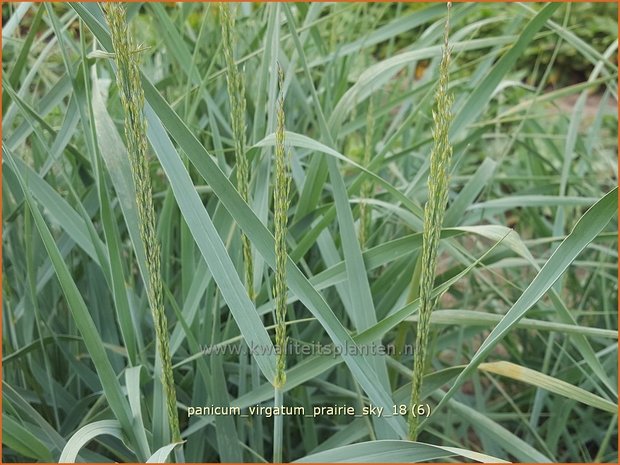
588,227
557,386
82,318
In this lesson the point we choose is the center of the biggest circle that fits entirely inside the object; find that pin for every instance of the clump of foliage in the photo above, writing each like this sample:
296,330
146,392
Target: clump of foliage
138,180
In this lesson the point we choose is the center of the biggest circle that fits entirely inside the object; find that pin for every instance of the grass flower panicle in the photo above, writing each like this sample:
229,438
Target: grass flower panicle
132,99
434,210
280,206
236,94
366,189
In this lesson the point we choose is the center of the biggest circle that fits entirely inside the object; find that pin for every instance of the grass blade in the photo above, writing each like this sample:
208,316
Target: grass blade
557,386
82,318
588,227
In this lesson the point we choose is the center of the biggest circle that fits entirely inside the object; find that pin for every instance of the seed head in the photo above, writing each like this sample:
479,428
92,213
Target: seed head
236,93
280,202
132,99
434,210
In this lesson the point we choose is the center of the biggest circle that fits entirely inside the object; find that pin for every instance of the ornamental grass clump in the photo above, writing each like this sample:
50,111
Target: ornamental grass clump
434,211
132,98
280,206
236,94
545,297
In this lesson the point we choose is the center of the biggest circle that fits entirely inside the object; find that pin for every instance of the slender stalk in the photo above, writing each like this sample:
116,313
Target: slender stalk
280,202
278,426
236,94
132,98
434,211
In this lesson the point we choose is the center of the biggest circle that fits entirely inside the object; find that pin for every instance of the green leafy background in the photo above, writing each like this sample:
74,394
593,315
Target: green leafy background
523,355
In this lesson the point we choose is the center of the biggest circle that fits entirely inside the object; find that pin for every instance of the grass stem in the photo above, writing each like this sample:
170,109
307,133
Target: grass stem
278,426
